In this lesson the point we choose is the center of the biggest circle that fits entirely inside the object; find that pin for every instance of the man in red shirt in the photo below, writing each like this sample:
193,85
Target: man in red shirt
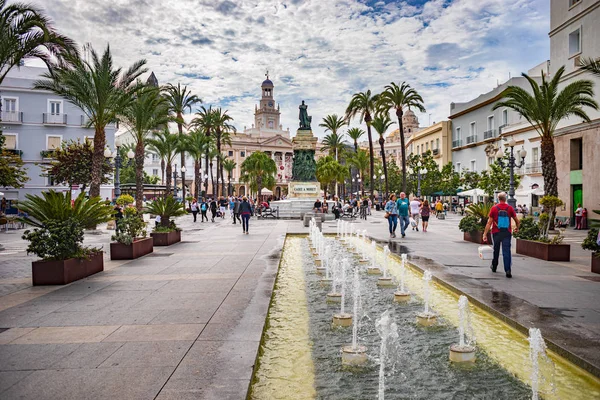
499,222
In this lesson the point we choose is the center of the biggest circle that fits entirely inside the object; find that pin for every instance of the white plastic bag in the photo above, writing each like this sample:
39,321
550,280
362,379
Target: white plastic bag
486,252
413,223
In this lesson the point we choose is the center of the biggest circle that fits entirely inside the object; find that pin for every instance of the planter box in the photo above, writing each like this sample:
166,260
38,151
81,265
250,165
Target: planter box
544,251
476,237
139,248
66,271
166,238
595,263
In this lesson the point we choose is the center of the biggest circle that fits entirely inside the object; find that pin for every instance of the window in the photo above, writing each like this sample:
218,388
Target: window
575,42
10,104
426,146
411,149
155,157
437,144
504,117
53,142
155,172
418,149
472,129
242,154
432,145
230,153
576,154
490,123
54,107
271,124
50,180
474,165
490,161
11,141
535,154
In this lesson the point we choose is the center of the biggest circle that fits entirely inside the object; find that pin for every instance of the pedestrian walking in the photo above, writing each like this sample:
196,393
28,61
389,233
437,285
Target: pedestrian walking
391,213
222,206
403,209
231,205
584,222
118,218
425,212
578,215
415,206
246,212
194,208
236,210
439,207
203,210
213,209
499,223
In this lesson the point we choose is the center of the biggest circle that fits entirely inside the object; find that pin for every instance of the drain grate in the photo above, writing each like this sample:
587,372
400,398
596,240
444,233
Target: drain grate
160,254
591,278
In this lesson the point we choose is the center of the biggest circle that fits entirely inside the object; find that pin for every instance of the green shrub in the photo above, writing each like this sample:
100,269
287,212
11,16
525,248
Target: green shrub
58,240
528,229
167,207
131,226
470,223
589,243
125,200
481,211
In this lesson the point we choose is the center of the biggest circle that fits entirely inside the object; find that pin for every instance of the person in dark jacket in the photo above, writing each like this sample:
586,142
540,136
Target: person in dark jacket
203,210
213,209
246,212
236,210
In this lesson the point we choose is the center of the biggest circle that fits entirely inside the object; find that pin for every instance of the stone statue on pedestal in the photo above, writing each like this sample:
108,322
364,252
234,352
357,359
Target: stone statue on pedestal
305,119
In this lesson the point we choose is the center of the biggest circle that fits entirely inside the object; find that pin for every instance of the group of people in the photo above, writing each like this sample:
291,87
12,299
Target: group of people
240,209
338,209
400,210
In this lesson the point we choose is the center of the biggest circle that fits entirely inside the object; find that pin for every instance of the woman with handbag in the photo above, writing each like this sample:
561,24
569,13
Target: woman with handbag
391,213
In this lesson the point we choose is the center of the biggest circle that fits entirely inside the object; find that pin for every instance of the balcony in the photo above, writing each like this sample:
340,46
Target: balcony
14,152
55,119
489,134
12,117
456,143
533,168
502,127
435,152
47,153
471,139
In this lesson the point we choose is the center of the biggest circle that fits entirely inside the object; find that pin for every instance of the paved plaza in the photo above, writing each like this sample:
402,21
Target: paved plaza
186,321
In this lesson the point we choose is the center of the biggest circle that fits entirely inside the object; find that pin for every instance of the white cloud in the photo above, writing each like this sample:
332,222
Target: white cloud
321,51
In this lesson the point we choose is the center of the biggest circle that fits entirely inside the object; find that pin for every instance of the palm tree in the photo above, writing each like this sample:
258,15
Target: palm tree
205,121
223,130
148,111
333,143
164,142
258,170
355,134
329,171
213,154
180,99
398,98
364,104
196,144
27,33
333,123
101,91
360,160
591,65
381,124
229,166
545,109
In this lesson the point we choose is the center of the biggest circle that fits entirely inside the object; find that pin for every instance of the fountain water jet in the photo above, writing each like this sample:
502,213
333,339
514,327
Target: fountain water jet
537,349
401,294
355,354
334,296
388,331
343,318
427,317
364,259
373,270
463,351
385,280
327,262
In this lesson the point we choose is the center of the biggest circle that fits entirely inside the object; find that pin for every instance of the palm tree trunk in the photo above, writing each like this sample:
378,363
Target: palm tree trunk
371,159
218,145
97,161
385,172
162,171
197,177
180,129
222,178
549,166
205,173
212,181
139,175
402,149
229,185
168,183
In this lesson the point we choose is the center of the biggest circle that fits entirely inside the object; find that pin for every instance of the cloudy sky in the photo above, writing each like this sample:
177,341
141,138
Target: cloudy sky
321,51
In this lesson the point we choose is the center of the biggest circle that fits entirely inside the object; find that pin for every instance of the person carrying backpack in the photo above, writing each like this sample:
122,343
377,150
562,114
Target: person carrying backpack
499,223
203,210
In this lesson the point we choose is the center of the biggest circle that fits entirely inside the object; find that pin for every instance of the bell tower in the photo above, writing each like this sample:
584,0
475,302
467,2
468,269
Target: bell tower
267,115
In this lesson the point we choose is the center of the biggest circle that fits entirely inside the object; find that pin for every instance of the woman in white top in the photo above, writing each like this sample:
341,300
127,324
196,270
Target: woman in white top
415,206
578,215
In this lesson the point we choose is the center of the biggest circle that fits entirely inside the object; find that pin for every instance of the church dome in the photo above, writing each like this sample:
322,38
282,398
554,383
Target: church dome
267,83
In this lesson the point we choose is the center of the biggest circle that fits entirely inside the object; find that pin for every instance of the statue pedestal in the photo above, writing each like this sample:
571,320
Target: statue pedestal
304,190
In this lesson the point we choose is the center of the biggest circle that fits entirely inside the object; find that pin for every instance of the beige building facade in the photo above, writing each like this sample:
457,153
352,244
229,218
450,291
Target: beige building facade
436,138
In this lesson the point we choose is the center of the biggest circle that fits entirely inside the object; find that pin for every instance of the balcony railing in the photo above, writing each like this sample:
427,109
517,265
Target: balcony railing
533,168
489,134
456,143
471,139
435,152
14,152
502,127
12,117
55,119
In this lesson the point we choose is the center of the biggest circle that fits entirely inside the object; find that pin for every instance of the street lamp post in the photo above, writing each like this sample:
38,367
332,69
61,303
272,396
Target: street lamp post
117,156
183,182
512,164
381,179
175,181
419,172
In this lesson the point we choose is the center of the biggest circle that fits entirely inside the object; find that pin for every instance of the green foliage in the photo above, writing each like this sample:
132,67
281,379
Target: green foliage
330,171
480,210
166,229
590,242
449,179
469,179
72,164
394,177
167,207
430,181
125,200
497,178
258,170
528,229
550,204
470,223
56,240
55,206
131,226
12,173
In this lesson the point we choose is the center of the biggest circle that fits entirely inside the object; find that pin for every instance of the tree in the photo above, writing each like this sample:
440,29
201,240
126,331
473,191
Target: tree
179,99
449,180
229,166
145,113
381,123
591,65
72,164
205,121
27,33
99,90
164,142
196,144
469,179
333,143
397,98
12,173
355,134
360,160
394,177
222,134
545,109
258,170
497,178
333,123
364,104
430,181
329,171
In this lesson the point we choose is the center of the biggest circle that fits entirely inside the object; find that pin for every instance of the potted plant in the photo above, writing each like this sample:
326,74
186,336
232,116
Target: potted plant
473,224
533,239
166,232
592,243
58,236
130,241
